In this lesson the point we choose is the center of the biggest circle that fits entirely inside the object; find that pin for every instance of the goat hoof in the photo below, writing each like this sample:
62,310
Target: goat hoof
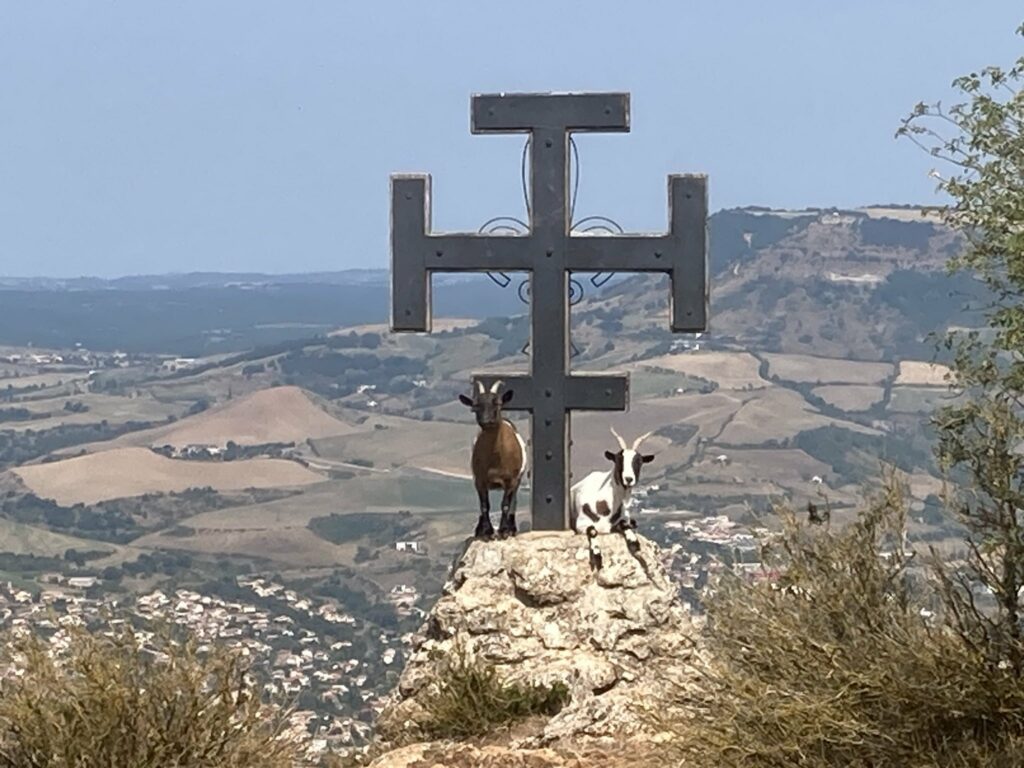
506,533
484,532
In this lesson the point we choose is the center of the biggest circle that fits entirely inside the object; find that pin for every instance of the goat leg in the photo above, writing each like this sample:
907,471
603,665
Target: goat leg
595,551
507,527
484,529
626,525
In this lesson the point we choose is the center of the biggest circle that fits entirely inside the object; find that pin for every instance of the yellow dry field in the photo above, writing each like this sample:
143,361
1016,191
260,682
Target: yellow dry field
730,370
922,374
775,414
902,214
827,370
382,493
276,415
390,441
125,472
850,397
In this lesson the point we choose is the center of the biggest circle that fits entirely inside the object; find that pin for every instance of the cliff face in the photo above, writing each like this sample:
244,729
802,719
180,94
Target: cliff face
618,638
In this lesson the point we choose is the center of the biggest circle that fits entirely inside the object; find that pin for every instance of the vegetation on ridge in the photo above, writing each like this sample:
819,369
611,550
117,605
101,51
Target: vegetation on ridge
857,654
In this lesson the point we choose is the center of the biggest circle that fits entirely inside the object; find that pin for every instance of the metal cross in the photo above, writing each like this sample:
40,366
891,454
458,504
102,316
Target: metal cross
549,253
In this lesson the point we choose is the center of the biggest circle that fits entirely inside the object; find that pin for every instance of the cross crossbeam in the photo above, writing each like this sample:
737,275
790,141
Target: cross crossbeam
549,253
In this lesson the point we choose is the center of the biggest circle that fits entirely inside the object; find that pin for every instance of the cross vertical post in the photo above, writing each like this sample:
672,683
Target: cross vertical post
550,253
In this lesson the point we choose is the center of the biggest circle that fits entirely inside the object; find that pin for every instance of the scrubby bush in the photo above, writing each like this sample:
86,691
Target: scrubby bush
853,655
469,699
109,700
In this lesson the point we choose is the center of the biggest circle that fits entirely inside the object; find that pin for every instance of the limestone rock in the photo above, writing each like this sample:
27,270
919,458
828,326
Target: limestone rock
618,638
448,755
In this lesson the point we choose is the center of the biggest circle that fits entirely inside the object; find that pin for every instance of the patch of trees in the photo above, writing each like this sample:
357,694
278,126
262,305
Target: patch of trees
892,233
855,456
353,340
511,333
23,446
933,299
119,521
336,374
232,452
20,414
18,563
680,433
198,407
104,522
727,230
381,530
81,557
160,561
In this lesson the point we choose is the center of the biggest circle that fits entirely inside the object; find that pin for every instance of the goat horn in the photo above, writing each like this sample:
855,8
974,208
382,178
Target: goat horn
636,443
494,387
622,443
480,386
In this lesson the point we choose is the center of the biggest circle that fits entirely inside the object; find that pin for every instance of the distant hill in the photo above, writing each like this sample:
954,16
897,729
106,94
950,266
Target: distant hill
866,285
823,281
276,415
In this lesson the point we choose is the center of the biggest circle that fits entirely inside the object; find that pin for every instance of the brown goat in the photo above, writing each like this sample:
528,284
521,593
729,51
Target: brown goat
499,459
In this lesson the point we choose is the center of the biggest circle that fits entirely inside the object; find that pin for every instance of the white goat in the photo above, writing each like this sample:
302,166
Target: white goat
599,503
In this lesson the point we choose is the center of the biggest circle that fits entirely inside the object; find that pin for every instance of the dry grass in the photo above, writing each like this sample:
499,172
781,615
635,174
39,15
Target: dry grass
833,664
826,370
778,413
125,472
922,374
850,397
468,699
107,701
276,415
731,370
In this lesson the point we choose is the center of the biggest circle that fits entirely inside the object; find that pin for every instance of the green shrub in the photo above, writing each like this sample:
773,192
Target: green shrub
109,700
469,699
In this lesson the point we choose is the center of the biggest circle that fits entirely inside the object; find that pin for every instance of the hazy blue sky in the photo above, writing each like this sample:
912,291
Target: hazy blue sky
141,137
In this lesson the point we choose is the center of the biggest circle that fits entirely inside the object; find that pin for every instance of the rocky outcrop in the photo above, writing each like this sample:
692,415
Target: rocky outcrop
435,755
618,638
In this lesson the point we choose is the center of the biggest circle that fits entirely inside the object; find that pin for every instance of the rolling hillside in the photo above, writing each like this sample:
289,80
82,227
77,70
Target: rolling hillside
817,366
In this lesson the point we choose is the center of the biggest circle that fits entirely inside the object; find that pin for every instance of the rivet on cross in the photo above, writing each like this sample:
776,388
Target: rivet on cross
549,253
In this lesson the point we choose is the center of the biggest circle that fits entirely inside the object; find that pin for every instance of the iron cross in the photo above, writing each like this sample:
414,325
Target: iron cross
550,253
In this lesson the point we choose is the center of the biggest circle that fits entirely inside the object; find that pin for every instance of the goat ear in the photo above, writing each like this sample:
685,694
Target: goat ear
506,396
610,456
465,401
648,458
